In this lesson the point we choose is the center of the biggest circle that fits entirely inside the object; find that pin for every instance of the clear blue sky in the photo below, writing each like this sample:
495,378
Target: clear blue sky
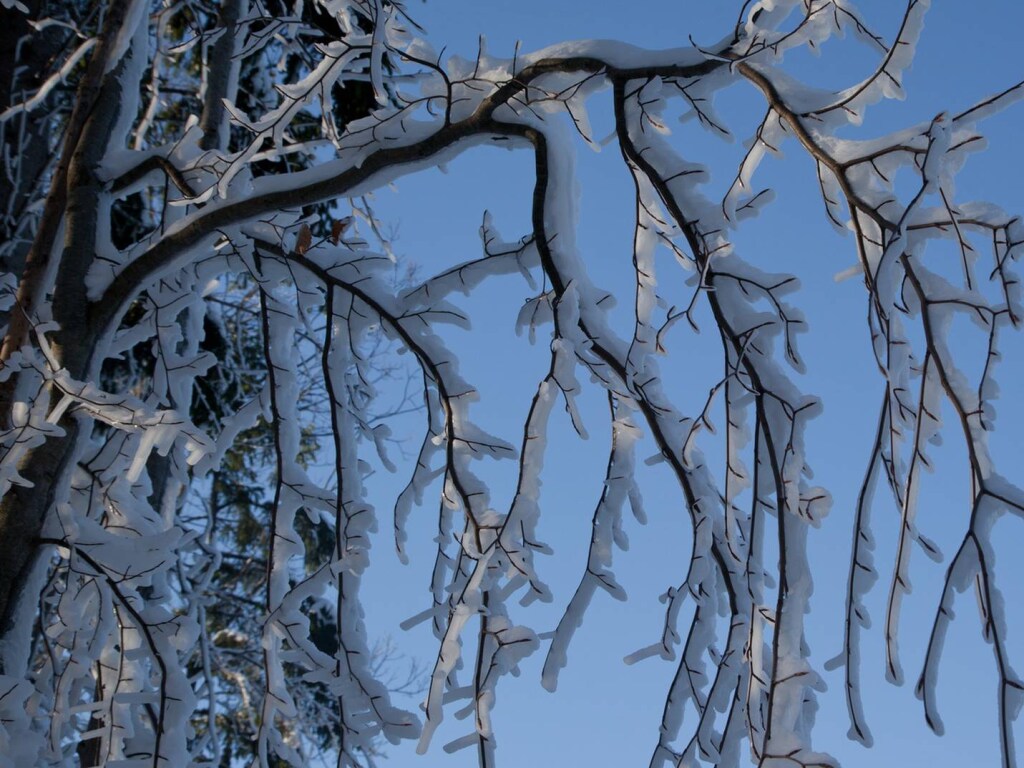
605,713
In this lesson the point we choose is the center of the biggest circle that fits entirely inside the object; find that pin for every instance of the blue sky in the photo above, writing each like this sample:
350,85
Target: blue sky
605,713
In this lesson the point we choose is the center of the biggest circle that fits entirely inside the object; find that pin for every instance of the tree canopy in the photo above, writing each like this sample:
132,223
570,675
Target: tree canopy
203,311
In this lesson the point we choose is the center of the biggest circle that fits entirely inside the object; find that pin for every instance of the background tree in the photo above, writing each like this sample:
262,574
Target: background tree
112,590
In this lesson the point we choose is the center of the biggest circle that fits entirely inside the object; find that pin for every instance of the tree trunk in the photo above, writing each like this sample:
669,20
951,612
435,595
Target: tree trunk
74,200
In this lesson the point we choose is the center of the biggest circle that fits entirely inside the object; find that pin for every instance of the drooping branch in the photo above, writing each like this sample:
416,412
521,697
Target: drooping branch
248,196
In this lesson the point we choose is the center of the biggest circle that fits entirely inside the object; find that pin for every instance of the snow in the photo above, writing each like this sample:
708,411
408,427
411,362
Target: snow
46,88
320,302
132,32
606,531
